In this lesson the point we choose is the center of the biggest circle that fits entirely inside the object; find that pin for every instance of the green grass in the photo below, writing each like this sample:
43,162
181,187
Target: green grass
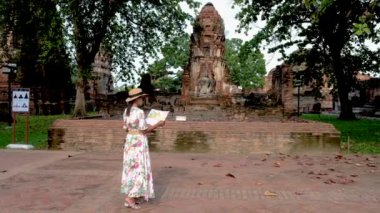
359,136
38,130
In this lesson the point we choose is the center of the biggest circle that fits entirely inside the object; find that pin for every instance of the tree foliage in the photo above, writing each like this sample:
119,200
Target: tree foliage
175,55
246,64
32,37
329,36
130,30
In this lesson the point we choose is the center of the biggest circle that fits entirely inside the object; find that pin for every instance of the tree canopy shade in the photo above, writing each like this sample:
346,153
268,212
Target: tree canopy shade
329,36
129,30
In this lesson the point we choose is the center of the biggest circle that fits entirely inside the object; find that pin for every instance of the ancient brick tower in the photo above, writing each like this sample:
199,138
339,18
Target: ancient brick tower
206,77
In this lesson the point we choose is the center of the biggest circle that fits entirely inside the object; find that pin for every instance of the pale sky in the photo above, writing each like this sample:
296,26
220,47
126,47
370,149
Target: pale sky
224,8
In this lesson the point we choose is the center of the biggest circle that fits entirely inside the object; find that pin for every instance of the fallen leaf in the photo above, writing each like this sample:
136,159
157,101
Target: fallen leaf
354,175
322,173
310,173
230,175
358,164
69,156
339,157
269,193
331,169
258,183
3,171
298,193
345,181
329,181
276,164
169,167
192,158
203,164
264,159
371,165
309,163
200,184
218,165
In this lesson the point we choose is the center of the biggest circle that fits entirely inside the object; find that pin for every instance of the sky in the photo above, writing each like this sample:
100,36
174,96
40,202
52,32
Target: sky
224,8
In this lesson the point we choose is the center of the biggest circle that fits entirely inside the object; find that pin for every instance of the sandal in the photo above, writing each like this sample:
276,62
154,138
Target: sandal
133,205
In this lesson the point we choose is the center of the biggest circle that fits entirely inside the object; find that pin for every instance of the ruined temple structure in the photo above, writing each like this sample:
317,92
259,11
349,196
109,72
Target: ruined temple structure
280,88
206,78
101,86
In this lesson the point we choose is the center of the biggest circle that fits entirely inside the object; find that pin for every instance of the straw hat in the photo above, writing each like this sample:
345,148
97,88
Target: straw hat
134,94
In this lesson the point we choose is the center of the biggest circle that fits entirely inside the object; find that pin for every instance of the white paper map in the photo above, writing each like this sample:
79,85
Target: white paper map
155,116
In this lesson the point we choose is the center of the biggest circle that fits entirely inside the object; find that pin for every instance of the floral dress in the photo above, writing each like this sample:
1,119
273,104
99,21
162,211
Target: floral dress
137,180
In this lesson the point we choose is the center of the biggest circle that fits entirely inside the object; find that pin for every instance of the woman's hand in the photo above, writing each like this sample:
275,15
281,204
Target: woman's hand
161,123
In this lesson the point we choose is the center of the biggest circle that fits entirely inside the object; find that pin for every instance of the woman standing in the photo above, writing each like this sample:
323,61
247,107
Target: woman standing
137,180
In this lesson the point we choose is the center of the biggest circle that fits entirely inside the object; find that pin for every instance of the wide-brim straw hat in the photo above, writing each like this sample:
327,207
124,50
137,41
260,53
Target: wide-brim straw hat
134,94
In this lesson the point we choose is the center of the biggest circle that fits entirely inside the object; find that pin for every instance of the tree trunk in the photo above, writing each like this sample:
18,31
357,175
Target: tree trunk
80,101
343,88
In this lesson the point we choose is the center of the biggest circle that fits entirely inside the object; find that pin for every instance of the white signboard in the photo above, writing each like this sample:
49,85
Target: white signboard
20,100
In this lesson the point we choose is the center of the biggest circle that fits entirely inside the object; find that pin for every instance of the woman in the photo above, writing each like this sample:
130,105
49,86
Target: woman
136,181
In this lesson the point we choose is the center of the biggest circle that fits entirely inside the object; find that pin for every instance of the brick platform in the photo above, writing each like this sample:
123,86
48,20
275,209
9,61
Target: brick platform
211,137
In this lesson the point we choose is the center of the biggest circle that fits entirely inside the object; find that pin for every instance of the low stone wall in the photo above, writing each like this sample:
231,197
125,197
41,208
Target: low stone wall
213,137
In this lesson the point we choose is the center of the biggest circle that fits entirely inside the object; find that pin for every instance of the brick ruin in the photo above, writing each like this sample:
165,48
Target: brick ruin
206,78
281,87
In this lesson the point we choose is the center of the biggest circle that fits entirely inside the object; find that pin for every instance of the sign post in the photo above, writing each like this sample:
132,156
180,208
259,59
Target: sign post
20,104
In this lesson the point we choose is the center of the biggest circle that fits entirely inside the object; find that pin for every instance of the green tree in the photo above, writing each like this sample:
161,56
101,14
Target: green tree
130,30
246,64
175,55
34,29
333,30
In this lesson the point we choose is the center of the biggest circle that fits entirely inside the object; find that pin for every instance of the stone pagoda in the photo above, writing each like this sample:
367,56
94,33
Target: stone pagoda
206,78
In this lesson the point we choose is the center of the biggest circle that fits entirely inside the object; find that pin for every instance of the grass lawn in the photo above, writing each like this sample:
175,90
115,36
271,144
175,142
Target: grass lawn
360,136
38,130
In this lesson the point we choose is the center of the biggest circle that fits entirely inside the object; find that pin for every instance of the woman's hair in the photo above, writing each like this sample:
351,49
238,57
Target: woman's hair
130,106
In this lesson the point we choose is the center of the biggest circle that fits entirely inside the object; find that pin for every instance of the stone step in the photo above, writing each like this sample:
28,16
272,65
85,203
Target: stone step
108,135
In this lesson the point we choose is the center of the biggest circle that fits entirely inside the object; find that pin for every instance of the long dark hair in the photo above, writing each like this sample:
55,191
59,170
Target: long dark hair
130,104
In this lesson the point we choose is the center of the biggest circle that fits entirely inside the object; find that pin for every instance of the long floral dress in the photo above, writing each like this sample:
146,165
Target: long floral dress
137,180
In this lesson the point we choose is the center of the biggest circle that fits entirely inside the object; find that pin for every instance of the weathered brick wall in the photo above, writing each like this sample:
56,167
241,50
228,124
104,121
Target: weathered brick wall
218,137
